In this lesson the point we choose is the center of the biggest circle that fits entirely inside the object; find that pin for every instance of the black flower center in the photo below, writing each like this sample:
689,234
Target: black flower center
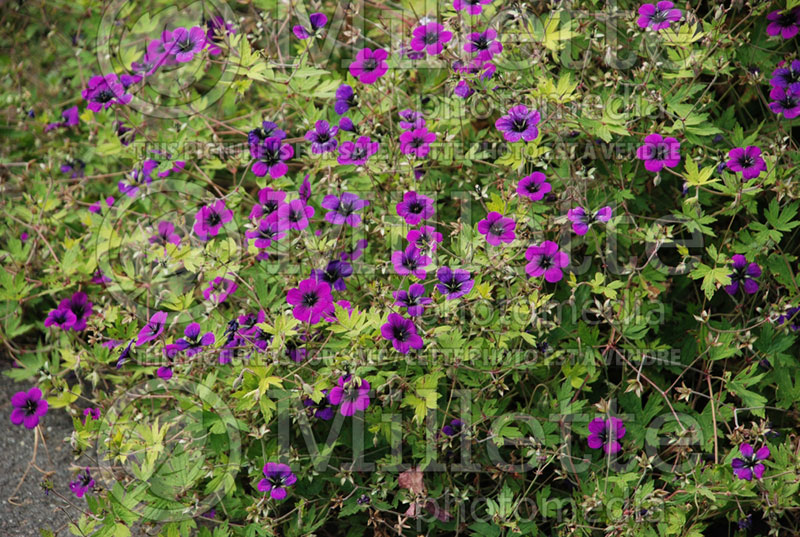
546,262
660,15
519,124
345,208
400,332
787,20
104,96
270,157
30,407
661,152
214,218
789,101
310,300
747,161
497,228
453,285
295,216
186,45
416,207
323,137
431,38
481,42
370,64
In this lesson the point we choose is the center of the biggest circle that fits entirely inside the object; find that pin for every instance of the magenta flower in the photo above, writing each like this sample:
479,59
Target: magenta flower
153,329
192,343
743,274
785,101
483,45
357,152
519,124
473,7
426,238
545,259
414,300
311,298
104,91
210,218
345,99
278,478
164,372
91,412
28,407
417,142
784,24
786,77
322,137
61,318
658,16
454,283
369,65
334,274
268,129
80,306
746,160
219,290
316,21
533,186
268,202
606,434
270,155
415,207
462,89
411,119
410,262
497,228
269,230
166,235
658,152
83,482
750,464
402,333
185,44
294,215
581,220
431,38
350,395
344,209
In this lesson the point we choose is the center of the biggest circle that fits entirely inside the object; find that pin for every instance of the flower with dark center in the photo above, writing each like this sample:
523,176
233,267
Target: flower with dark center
744,274
278,478
316,21
311,298
483,45
546,259
62,318
402,333
105,91
209,219
410,119
165,235
415,207
334,274
350,395
426,238
268,129
746,160
80,306
357,152
786,101
344,209
322,137
453,283
658,152
219,289
345,99
431,38
533,186
192,342
792,316
497,228
784,23
519,124
750,465
414,300
658,16
268,202
28,407
153,328
410,262
369,65
417,142
269,230
582,220
294,215
82,483
606,434
787,77
270,156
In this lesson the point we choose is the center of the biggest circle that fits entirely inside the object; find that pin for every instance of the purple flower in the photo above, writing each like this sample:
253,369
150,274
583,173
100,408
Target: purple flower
462,89
402,333
350,395
545,259
294,215
533,186
192,343
164,372
473,7
357,152
186,43
497,228
454,428
322,410
345,99
316,21
784,24
217,28
520,123
334,274
787,77
453,283
369,65
268,231
28,407
786,101
415,207
104,91
219,290
606,434
139,177
658,152
792,315
80,306
355,252
484,46
210,218
93,413
431,38
60,317
166,234
414,300
268,202
71,118
581,220
311,298
268,129
123,356
96,206
343,210
270,155
153,329
410,119
410,261
322,137
749,465
746,160
346,124
83,482
278,478
417,142
305,190
743,274
658,16
426,238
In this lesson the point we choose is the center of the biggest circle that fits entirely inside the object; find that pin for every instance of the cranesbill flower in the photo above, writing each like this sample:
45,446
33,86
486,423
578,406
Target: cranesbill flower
545,259
519,123
606,434
462,89
497,228
369,65
658,152
410,261
785,101
294,215
316,21
60,317
185,44
165,235
334,274
431,38
305,190
268,129
402,333
346,124
268,202
322,410
417,142
153,329
350,395
311,298
278,478
581,220
345,99
483,45
210,218
192,342
217,28
28,407
415,207
123,356
219,290
83,482
98,205
357,152
744,274
270,156
71,118
80,306
658,16
746,160
322,137
750,464
784,23
268,231
411,119
426,238
453,428
140,176
104,91
473,7
792,315
414,300
91,412
453,283
787,77
344,210
533,186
